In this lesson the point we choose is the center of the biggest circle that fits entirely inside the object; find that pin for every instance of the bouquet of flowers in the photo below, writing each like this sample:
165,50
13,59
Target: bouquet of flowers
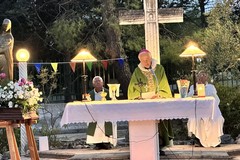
20,94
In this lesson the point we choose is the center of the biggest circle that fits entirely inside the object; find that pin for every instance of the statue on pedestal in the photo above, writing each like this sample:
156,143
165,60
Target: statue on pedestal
6,49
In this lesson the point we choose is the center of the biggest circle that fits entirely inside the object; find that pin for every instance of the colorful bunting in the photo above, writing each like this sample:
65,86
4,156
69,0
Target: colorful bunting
121,62
54,66
38,67
89,65
73,66
105,64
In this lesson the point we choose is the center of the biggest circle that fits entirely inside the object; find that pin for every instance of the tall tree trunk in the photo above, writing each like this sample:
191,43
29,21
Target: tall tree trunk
113,43
67,80
202,11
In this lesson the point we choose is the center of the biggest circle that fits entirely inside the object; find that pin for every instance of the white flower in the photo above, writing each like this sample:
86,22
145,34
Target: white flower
20,94
10,104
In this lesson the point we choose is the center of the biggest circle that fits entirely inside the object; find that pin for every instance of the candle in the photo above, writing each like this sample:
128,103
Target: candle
177,95
201,90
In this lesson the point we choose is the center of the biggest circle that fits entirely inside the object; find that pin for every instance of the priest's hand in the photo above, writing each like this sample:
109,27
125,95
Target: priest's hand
156,96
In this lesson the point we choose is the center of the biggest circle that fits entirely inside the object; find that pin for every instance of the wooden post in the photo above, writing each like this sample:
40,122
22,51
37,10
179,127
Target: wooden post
13,148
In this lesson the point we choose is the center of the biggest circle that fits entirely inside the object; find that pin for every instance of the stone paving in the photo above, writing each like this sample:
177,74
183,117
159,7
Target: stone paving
180,152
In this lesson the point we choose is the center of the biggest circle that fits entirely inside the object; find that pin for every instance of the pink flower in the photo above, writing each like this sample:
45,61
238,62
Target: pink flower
3,75
22,82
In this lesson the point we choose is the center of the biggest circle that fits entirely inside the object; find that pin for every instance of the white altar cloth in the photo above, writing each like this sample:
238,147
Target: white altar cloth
138,110
142,116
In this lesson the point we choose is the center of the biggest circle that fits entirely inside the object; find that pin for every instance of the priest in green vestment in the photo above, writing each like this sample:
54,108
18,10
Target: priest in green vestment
149,81
102,134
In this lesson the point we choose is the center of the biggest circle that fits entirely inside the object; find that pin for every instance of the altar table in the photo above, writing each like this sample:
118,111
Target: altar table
142,115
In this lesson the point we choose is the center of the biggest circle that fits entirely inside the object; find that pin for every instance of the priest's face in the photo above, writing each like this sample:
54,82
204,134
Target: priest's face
145,60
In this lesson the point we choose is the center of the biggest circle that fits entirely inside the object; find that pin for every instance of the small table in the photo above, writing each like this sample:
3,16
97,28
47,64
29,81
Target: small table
142,115
11,118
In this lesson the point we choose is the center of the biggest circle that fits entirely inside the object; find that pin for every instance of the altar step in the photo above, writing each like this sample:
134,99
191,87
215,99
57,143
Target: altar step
184,152
176,152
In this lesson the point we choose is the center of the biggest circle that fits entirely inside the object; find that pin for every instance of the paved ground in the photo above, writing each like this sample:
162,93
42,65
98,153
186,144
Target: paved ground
180,152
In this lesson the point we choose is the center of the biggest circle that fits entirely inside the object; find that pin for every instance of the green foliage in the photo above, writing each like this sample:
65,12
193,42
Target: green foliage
48,83
221,40
129,34
4,142
230,108
51,133
66,32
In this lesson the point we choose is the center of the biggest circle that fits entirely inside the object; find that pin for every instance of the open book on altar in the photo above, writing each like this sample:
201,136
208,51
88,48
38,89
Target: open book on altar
148,95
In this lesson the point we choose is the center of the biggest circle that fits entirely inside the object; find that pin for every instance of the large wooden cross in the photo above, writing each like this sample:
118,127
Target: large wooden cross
150,17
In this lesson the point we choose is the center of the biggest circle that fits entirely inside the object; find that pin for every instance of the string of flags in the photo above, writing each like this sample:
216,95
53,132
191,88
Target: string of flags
54,65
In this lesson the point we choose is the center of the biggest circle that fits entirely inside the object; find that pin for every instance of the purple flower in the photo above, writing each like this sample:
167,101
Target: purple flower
22,82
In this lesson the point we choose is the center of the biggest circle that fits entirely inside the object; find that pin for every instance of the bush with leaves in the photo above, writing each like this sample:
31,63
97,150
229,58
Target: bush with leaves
48,82
230,108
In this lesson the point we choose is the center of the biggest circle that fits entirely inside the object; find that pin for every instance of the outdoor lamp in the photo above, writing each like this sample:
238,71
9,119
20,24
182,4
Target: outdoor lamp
84,56
22,56
193,51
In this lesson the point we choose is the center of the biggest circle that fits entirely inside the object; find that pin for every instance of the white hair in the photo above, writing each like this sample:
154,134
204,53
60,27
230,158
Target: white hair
97,77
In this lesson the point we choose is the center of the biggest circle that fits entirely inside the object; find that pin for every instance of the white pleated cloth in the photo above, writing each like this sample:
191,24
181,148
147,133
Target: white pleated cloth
99,135
207,130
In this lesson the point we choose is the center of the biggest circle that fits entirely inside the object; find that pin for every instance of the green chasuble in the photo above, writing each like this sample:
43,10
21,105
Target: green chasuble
141,76
153,80
92,126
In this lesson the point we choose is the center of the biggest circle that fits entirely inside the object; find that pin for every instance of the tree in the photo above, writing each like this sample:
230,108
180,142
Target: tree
221,40
95,28
113,42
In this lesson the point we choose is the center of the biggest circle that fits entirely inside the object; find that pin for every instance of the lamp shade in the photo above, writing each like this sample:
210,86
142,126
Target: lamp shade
22,55
84,56
192,51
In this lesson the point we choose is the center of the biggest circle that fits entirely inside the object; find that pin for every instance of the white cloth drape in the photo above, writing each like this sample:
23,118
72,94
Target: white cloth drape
140,110
99,134
208,130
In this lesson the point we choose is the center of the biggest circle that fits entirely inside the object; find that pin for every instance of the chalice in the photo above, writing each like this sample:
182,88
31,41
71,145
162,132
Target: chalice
103,95
113,91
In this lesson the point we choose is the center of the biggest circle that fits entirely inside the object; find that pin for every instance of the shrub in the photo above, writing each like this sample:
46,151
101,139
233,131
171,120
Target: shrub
230,108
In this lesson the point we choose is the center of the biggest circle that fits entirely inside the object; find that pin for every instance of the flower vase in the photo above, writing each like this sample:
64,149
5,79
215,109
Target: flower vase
183,86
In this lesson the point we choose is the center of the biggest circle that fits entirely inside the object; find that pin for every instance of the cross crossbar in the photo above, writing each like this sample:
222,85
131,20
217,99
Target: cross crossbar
165,15
151,16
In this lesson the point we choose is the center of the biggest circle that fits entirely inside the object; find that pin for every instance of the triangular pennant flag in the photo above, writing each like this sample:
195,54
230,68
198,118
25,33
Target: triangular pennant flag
38,67
89,65
73,66
105,64
121,62
54,66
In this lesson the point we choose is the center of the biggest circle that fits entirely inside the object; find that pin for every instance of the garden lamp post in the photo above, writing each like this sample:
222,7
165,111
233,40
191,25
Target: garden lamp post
22,56
193,51
84,56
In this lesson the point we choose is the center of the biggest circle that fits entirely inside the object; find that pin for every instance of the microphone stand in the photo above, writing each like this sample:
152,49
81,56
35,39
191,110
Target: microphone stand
140,84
